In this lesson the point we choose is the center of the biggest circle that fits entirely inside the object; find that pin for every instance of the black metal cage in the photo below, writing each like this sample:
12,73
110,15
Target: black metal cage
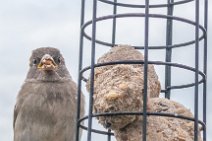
198,43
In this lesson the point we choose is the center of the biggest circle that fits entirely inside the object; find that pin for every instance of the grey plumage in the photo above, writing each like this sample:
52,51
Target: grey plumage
46,104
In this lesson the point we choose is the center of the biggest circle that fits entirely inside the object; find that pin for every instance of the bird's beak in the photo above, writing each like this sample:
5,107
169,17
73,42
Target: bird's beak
47,63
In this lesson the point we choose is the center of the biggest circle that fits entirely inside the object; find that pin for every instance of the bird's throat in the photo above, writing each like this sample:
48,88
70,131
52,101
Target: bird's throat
49,76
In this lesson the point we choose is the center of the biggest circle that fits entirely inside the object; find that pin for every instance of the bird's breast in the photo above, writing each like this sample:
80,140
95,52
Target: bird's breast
48,104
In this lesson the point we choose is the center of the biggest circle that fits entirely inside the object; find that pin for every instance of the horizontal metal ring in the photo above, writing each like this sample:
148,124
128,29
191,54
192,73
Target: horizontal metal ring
143,6
151,62
128,15
171,115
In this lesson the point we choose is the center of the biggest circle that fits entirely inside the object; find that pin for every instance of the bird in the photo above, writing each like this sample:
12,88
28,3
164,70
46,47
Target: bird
46,105
120,87
160,128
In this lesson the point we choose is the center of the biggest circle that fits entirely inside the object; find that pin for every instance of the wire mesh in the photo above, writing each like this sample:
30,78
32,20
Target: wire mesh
169,47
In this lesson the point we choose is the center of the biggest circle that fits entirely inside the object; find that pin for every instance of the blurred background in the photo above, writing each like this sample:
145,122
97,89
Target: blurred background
28,24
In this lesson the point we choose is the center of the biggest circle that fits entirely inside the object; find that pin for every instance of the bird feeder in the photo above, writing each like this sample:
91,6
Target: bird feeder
172,35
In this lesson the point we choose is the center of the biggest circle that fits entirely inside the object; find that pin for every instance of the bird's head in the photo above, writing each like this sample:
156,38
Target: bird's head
47,64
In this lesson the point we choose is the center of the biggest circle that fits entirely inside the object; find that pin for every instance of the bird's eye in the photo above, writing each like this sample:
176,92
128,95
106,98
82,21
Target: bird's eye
59,60
34,61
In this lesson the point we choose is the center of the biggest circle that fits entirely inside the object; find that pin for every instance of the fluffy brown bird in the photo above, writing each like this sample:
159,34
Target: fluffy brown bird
119,88
161,128
46,104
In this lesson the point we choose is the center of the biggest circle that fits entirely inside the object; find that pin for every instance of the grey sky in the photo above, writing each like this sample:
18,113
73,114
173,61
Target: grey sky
28,24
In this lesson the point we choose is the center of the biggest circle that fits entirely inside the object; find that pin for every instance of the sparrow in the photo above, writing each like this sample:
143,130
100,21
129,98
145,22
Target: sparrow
46,105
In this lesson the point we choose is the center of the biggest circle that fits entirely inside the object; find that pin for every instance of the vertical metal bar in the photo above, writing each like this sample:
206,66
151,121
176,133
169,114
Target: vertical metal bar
113,44
79,70
205,69
169,28
146,42
109,135
114,23
92,70
196,99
